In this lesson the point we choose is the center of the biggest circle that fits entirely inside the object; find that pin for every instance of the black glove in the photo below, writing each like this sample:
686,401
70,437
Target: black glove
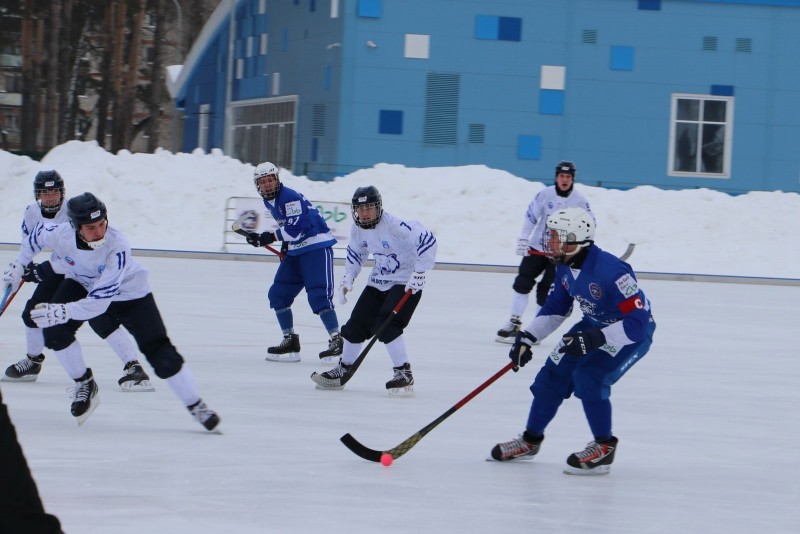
260,240
38,272
582,342
520,352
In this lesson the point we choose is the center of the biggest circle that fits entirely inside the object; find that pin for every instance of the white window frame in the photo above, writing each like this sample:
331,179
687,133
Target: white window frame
699,123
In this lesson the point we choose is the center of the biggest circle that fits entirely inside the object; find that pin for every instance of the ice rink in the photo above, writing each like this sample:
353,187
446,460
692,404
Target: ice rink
708,421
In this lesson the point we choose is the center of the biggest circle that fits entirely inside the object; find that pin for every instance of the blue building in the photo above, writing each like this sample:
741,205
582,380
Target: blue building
670,93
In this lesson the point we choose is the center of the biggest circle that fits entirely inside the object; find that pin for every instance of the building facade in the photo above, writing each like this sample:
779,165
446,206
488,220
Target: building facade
669,93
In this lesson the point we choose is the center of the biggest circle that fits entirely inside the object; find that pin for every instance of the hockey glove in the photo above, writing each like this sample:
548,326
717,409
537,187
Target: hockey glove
522,247
416,282
12,276
345,286
38,272
47,315
583,342
521,352
260,240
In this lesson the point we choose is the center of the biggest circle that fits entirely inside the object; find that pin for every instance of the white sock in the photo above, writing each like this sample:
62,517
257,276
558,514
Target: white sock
519,303
120,342
350,351
71,360
182,383
397,352
34,339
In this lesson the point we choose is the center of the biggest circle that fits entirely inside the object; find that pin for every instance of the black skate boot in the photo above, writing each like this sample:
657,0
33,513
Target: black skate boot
287,351
402,384
84,397
525,447
135,378
334,349
509,330
595,459
25,370
331,379
204,415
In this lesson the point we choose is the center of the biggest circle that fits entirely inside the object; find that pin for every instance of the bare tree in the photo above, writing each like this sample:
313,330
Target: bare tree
51,78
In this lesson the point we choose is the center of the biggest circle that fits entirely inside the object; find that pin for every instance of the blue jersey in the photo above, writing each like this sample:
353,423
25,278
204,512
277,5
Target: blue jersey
608,294
301,224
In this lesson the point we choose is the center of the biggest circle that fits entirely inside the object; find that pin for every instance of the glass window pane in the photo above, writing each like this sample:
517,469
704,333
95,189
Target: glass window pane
686,147
688,110
715,110
713,147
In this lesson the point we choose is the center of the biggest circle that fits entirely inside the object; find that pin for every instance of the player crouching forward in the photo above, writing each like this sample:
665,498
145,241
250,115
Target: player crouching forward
615,332
100,276
402,251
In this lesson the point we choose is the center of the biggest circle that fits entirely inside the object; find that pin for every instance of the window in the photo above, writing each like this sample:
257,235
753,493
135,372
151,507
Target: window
701,136
263,130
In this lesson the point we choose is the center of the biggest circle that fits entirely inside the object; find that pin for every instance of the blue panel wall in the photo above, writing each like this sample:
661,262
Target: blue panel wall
622,63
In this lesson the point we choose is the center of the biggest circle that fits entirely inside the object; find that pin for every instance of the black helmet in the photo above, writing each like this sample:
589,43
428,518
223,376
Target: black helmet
566,167
367,196
48,181
85,209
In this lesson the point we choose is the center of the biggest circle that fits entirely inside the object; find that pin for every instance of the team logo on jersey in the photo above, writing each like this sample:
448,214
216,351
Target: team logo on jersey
363,244
293,209
69,261
385,244
386,263
101,268
627,285
550,206
565,282
595,291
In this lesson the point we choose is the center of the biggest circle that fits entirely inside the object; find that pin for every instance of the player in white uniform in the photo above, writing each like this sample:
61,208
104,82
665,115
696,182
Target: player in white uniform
100,276
48,190
403,251
560,195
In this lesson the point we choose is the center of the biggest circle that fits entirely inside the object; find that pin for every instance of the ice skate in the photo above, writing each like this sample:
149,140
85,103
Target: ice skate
331,379
135,378
287,351
204,415
402,384
334,349
525,447
25,370
84,397
595,459
509,330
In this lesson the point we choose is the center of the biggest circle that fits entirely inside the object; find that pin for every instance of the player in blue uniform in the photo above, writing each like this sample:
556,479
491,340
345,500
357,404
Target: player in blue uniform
615,332
308,263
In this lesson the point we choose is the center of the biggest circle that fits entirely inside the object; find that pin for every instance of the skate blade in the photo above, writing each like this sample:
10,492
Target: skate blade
401,393
597,471
142,386
289,357
26,378
326,383
514,460
328,359
505,340
92,406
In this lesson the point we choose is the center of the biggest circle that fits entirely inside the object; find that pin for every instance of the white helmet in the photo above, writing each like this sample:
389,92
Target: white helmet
267,169
570,226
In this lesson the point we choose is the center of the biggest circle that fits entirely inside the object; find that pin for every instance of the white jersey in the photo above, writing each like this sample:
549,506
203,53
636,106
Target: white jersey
398,247
108,274
33,216
545,203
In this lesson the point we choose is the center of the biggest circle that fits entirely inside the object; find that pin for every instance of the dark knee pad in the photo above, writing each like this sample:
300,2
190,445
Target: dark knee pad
391,333
523,284
163,357
58,337
26,314
353,334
